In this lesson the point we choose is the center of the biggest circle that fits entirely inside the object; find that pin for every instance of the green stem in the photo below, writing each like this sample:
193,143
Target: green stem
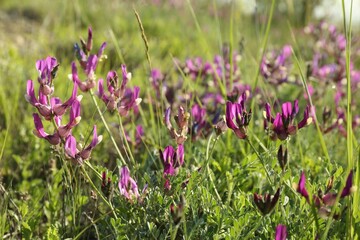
208,174
98,192
107,128
261,160
90,225
122,131
254,228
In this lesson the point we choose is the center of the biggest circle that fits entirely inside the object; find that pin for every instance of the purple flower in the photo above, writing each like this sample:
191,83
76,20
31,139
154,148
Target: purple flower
85,153
282,124
301,187
84,86
347,189
323,201
65,130
139,134
172,161
130,100
73,152
127,185
53,139
274,68
266,203
156,79
281,233
41,103
119,97
242,117
88,61
199,125
47,69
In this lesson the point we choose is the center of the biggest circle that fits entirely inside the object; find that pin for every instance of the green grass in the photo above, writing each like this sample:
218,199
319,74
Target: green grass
44,196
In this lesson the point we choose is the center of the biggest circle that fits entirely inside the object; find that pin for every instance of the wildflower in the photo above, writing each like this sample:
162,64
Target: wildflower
242,117
119,97
47,69
156,79
53,139
199,122
88,62
266,203
323,201
282,124
172,161
128,186
139,134
65,130
78,155
41,103
274,68
180,135
84,86
281,233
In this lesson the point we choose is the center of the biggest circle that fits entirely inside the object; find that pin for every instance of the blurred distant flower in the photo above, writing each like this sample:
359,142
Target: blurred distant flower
156,80
137,139
282,125
281,232
242,117
199,124
275,67
266,203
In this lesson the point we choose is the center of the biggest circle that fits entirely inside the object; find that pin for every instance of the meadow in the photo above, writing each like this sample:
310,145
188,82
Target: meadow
178,120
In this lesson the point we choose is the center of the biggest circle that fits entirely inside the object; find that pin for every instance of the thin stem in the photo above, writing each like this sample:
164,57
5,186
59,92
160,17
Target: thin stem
90,225
208,174
125,140
107,128
254,228
98,192
261,160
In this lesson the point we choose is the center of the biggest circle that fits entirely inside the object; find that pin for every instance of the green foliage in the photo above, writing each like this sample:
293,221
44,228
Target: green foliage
45,196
